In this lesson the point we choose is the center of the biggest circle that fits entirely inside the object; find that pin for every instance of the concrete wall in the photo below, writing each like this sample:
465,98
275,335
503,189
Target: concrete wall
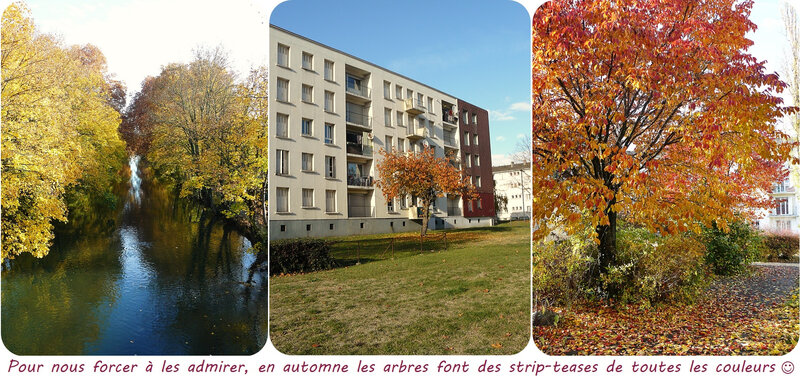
287,229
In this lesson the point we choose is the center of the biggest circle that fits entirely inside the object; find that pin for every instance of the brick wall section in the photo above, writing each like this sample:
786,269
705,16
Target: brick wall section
484,152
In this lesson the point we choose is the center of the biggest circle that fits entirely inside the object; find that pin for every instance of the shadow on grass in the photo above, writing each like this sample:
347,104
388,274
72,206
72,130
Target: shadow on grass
349,251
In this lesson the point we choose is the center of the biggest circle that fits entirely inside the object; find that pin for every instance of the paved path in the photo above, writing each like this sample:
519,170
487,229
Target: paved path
770,284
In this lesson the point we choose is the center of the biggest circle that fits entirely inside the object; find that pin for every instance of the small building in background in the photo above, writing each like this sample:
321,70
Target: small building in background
514,182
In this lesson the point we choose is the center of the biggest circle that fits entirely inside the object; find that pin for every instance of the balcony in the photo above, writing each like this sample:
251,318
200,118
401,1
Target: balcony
359,149
449,122
413,106
354,181
417,134
453,211
450,143
357,89
358,119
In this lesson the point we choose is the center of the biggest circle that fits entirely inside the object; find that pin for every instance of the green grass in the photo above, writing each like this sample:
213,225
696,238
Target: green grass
473,298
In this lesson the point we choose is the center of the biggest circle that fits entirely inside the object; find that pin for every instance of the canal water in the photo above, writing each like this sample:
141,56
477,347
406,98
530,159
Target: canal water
154,276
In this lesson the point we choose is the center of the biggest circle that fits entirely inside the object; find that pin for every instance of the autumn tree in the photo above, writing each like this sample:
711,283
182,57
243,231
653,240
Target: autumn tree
423,176
204,130
59,132
653,110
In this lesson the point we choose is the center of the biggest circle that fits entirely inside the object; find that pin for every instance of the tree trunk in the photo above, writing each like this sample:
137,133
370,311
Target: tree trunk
425,213
607,251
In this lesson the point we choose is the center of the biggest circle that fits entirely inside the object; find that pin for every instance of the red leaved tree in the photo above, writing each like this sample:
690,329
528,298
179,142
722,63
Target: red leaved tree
421,175
652,109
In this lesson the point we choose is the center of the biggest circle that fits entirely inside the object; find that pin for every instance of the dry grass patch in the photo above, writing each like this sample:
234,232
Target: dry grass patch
460,301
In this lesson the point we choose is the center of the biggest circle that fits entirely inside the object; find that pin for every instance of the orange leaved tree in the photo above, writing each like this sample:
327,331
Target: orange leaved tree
421,175
652,109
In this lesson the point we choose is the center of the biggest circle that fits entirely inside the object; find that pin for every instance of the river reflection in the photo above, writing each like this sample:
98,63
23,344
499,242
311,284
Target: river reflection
160,277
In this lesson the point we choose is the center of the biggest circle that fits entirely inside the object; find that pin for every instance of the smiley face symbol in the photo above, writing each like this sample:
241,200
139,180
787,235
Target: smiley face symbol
787,367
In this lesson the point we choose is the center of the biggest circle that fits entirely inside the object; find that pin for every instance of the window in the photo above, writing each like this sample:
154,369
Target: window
282,125
410,121
430,104
468,160
308,198
387,90
474,119
328,133
464,117
466,138
308,93
469,205
479,204
282,206
330,202
283,55
401,145
282,162
390,205
780,187
328,70
399,119
307,162
782,207
398,91
420,99
283,90
388,144
306,127
409,93
329,101
330,167
477,160
475,140
478,184
308,61
387,117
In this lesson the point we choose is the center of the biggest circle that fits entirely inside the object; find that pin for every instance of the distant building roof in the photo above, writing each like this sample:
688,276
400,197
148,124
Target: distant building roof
511,167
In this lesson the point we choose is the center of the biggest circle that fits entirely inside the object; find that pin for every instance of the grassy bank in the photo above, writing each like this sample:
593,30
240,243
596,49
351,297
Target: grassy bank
473,298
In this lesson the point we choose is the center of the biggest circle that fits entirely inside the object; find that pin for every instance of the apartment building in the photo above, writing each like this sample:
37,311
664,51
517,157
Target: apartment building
514,182
476,154
330,113
784,215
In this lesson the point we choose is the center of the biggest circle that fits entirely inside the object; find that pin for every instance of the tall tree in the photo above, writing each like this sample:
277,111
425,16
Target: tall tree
206,131
59,131
423,176
652,109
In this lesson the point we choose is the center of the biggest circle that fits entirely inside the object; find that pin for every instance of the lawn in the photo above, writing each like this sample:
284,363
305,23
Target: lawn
473,298
755,314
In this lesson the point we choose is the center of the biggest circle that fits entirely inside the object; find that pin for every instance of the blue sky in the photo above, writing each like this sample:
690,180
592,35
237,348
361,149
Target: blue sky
477,50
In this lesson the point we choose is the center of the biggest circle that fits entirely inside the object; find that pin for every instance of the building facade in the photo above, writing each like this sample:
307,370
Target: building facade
476,157
330,113
784,215
514,182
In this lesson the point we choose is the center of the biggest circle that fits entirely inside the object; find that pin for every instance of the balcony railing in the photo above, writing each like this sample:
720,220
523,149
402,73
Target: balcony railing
359,181
359,149
359,119
453,211
451,142
357,89
414,106
447,118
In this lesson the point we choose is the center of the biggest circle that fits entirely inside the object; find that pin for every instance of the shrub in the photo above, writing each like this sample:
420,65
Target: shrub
780,246
732,251
299,255
651,268
561,268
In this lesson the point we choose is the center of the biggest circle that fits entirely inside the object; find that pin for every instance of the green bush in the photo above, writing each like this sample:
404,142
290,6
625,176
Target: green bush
780,247
732,251
651,268
299,255
561,269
